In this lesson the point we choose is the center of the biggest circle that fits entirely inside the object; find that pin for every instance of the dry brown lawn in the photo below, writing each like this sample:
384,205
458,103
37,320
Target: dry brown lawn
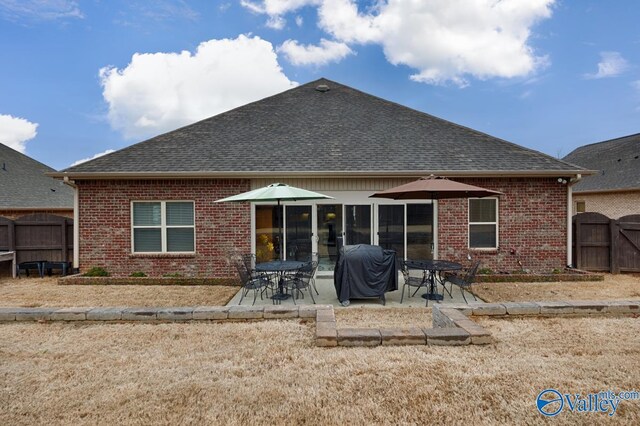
35,292
270,373
359,317
614,287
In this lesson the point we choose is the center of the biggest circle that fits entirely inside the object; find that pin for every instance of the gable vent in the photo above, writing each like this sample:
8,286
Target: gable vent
322,88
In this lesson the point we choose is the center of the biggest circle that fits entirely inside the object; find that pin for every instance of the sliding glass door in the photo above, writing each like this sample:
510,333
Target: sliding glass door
357,224
329,225
420,243
391,228
407,228
298,233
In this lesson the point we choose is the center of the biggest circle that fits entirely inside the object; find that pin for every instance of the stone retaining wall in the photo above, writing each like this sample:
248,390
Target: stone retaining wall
453,324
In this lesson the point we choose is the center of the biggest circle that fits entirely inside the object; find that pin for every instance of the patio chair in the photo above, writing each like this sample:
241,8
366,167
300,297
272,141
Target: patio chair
257,283
301,280
412,280
464,282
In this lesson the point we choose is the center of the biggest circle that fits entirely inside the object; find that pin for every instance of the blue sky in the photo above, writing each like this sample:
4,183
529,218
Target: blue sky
79,78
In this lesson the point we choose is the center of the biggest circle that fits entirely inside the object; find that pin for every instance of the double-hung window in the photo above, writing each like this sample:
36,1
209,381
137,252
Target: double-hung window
483,223
163,227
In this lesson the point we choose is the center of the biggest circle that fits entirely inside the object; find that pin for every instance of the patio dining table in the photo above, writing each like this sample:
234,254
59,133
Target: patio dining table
433,270
280,267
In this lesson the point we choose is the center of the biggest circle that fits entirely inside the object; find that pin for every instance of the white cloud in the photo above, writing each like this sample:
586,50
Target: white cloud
84,160
15,132
444,41
611,64
299,20
326,52
158,92
45,10
275,9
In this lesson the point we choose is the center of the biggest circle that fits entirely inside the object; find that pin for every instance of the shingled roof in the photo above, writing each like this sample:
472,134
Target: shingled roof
24,185
617,162
316,131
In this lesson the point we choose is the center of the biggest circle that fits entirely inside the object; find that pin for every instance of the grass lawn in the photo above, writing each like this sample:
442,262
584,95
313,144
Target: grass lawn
619,287
270,373
35,292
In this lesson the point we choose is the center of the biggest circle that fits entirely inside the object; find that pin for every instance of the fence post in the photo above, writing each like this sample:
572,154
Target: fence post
578,239
63,242
614,265
12,235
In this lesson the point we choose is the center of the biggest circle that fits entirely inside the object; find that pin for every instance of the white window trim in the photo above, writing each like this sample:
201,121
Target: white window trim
163,227
496,223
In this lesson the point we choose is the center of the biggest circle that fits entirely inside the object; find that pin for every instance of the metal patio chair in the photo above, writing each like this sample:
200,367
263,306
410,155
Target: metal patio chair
464,282
257,283
302,280
412,280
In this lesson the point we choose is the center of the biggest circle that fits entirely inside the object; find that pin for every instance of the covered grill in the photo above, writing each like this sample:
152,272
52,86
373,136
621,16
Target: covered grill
364,271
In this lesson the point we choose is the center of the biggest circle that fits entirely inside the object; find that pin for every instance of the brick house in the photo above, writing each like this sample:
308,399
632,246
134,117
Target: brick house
150,207
25,189
614,190
34,210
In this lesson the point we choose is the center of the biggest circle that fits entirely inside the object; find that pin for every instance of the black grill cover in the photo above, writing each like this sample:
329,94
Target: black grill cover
364,271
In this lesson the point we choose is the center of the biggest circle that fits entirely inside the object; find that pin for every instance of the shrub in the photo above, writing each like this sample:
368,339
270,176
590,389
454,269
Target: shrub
96,271
173,275
485,271
556,271
138,274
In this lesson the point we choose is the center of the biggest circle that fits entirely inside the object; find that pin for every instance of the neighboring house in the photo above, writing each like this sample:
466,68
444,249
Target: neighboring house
150,207
615,190
33,208
25,189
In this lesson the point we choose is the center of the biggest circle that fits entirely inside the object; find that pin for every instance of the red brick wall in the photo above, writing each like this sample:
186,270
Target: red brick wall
105,226
532,225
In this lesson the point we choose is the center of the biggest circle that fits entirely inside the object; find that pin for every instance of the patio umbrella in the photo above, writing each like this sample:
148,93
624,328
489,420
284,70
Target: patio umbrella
434,188
276,192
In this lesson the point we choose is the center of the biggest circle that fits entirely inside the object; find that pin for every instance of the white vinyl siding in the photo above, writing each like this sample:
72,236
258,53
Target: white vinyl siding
163,227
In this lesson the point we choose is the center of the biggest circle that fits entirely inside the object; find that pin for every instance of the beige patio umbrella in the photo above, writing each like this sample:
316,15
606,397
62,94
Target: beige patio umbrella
434,188
276,192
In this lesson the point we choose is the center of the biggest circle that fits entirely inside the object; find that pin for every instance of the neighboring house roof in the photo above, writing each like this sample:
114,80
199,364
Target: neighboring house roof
24,185
322,132
617,162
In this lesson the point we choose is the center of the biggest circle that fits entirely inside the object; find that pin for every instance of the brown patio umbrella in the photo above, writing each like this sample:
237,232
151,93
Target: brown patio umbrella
434,188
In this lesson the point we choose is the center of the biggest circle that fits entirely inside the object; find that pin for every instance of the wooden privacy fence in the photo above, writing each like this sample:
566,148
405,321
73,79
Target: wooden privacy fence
38,237
604,244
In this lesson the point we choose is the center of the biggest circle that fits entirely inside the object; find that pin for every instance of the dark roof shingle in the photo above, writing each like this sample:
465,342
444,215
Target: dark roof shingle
304,130
617,162
23,184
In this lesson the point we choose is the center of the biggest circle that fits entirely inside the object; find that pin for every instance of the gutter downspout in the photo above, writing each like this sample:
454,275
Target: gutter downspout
76,221
572,182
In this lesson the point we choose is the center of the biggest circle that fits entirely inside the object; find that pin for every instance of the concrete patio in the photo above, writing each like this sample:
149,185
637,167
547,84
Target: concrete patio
328,296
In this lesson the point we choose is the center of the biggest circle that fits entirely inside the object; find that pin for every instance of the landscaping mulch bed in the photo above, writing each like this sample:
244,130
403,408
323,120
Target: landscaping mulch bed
36,292
612,287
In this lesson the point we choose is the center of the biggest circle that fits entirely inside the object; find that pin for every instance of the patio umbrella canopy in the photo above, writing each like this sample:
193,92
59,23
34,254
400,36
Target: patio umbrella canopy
434,188
276,192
